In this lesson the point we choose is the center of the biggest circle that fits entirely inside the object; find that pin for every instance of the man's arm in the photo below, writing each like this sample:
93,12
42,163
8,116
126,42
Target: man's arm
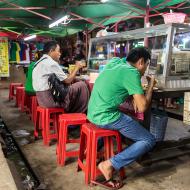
143,101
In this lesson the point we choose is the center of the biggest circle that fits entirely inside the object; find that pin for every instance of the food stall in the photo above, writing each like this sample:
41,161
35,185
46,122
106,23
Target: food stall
169,45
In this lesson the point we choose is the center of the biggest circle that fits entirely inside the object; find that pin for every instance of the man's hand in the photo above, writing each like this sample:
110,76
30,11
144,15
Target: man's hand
79,64
134,106
151,81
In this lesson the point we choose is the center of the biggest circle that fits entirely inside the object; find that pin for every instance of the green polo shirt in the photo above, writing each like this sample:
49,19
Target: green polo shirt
28,85
114,84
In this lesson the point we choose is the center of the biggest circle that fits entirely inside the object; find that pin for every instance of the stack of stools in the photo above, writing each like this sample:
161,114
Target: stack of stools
19,95
12,88
65,120
47,121
88,149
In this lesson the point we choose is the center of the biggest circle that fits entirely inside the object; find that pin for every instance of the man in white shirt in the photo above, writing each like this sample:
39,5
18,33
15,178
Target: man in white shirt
77,97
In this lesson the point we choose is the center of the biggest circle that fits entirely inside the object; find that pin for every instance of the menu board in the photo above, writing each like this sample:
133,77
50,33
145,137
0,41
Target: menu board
4,57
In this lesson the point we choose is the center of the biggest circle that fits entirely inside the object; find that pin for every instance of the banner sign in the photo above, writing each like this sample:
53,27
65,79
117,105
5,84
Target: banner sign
4,57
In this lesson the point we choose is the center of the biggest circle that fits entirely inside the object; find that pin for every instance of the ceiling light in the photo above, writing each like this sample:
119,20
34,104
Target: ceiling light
104,1
30,37
63,19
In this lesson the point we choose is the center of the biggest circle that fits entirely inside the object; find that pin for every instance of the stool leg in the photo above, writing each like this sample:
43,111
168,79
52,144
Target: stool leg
63,143
106,148
119,148
88,160
36,124
82,148
93,158
111,143
10,92
23,102
47,127
43,122
59,144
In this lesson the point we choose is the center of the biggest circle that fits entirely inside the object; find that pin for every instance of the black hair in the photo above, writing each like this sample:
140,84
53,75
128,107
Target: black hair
50,45
138,53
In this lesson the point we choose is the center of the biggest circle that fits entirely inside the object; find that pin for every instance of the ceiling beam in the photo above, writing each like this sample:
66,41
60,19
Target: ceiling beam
6,29
178,6
93,27
18,8
126,2
3,17
87,19
15,20
34,12
184,7
123,20
159,5
133,5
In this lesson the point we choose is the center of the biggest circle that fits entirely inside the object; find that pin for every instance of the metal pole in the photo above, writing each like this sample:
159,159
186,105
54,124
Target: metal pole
86,42
146,21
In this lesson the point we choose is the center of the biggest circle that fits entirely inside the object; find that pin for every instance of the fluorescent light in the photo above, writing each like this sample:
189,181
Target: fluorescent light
63,19
104,1
30,37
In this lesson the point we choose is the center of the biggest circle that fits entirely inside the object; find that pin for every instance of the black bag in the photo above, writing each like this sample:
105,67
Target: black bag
58,89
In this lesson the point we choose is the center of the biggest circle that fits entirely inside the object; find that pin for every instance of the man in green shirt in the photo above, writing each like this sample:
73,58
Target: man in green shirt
119,80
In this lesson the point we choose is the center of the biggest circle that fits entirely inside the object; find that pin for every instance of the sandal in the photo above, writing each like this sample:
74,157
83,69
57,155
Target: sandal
107,185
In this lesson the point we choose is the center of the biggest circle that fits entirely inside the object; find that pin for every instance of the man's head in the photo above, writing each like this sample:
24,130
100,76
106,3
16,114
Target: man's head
139,58
52,49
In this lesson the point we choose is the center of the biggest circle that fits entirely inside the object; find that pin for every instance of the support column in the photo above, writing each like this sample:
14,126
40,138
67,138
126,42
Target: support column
146,21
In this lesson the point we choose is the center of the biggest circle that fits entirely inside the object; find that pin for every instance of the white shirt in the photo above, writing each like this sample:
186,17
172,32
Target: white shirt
43,70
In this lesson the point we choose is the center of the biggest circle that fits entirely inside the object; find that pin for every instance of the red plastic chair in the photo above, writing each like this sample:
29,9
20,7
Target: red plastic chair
19,95
12,88
65,120
44,118
89,136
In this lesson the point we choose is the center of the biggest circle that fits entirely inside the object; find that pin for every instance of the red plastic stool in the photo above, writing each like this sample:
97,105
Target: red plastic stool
89,136
12,88
44,118
85,145
19,95
34,108
64,121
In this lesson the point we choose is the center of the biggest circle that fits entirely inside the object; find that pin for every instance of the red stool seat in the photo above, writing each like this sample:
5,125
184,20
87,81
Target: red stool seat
12,88
89,137
44,118
19,95
65,120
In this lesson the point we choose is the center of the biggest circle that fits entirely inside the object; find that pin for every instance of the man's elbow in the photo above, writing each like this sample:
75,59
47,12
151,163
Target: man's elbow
67,81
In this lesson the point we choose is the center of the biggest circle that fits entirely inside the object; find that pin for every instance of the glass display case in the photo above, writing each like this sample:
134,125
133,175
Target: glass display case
170,52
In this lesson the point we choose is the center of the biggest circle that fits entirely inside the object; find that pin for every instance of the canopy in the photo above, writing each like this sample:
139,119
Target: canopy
34,16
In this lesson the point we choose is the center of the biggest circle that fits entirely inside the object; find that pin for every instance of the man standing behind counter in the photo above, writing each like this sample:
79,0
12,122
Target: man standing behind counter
120,79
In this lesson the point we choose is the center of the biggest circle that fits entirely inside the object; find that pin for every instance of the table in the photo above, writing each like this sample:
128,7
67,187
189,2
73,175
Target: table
170,148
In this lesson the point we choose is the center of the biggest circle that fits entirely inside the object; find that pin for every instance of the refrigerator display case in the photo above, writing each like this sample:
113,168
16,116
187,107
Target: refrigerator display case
170,52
